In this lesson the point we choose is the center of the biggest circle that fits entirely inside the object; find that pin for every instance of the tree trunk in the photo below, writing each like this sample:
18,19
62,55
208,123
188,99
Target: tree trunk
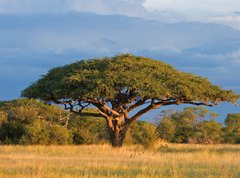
117,135
117,141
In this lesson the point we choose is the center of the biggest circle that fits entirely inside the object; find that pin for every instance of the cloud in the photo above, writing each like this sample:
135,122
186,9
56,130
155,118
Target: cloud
221,68
223,12
126,7
230,20
194,8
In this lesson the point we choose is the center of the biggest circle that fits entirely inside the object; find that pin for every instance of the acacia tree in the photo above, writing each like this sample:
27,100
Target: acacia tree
123,88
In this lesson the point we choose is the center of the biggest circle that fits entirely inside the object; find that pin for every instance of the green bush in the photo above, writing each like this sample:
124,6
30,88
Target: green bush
143,133
44,133
11,132
27,121
88,129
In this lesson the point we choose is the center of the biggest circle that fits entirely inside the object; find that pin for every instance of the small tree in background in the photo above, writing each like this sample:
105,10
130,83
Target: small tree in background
232,129
208,132
123,88
167,128
192,125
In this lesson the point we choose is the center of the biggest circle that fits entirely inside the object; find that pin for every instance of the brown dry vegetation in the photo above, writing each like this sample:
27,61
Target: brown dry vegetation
130,161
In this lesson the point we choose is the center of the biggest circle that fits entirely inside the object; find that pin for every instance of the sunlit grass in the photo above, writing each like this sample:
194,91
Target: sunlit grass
130,161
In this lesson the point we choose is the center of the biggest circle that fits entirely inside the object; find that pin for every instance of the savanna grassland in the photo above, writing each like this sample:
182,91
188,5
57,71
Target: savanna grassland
130,161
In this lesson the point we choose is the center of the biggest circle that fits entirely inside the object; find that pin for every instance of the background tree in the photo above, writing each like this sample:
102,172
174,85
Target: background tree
166,128
192,125
119,85
232,129
208,132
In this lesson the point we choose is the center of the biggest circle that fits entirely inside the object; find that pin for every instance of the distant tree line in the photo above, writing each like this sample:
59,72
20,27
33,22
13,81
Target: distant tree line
25,121
198,125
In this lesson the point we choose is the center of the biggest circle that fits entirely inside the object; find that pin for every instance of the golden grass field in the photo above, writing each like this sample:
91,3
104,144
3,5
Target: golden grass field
176,161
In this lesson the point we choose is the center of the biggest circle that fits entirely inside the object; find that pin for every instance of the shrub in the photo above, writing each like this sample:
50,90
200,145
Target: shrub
143,133
32,122
45,133
87,129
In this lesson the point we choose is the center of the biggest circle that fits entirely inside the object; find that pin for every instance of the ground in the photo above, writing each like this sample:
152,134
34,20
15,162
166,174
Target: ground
130,161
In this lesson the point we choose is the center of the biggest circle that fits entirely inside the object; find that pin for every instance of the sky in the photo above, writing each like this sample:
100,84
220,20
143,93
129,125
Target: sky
217,11
38,35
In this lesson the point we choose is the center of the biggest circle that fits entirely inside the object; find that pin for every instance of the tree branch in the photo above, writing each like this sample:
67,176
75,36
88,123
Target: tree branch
165,103
100,104
199,103
102,113
125,113
111,110
136,105
141,112
145,110
177,102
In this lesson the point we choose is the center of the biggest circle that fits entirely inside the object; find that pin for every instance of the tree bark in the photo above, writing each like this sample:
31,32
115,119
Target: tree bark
117,133
117,140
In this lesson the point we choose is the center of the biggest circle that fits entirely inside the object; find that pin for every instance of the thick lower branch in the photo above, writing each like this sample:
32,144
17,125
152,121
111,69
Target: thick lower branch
143,111
136,105
155,105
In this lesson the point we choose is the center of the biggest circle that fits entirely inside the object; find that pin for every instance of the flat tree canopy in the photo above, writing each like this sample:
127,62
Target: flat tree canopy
118,85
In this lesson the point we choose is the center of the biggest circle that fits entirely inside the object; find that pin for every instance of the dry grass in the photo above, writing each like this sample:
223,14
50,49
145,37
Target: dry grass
103,161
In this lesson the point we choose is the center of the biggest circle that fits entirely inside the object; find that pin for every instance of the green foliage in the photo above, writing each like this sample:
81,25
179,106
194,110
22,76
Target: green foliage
105,77
143,133
190,126
233,120
3,116
32,122
166,129
44,133
11,132
232,129
88,129
208,132
27,110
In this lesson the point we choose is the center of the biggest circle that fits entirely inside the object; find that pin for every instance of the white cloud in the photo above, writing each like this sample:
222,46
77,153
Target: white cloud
230,20
217,11
126,7
194,7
